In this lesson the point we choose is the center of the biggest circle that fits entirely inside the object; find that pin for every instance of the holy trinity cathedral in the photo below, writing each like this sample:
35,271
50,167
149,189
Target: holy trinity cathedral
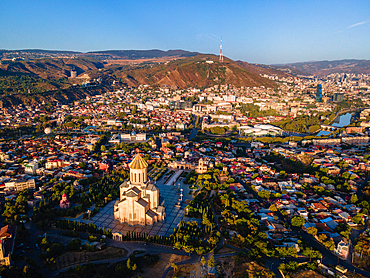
139,198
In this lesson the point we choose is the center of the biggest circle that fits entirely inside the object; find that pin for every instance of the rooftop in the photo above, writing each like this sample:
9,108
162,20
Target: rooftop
138,163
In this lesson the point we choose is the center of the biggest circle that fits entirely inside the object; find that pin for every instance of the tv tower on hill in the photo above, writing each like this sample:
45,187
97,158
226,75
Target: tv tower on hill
221,55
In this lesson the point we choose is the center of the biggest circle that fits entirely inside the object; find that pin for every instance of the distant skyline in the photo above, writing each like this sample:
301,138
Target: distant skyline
266,32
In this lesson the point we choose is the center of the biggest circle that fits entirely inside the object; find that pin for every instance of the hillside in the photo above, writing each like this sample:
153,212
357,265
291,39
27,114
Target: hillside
323,68
188,72
52,68
63,96
42,75
48,79
18,83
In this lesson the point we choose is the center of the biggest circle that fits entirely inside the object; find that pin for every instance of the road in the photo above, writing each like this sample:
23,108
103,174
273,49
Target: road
354,235
194,131
291,133
158,142
359,189
33,238
328,257
130,247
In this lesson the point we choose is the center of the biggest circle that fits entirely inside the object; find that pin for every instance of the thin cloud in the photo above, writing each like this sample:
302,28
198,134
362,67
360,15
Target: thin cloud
357,24
210,36
217,37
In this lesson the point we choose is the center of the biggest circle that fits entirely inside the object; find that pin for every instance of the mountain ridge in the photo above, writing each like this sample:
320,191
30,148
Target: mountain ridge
101,55
326,67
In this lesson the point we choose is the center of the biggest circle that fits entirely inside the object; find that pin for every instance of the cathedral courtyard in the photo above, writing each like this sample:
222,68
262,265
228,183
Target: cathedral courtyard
174,214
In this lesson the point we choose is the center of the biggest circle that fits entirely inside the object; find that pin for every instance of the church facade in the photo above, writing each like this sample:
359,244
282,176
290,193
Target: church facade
139,198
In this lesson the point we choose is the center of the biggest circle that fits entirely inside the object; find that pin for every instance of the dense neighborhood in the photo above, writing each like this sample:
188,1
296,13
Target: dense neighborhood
273,176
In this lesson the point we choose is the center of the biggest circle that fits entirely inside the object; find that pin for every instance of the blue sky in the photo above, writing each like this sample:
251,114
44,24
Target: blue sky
253,31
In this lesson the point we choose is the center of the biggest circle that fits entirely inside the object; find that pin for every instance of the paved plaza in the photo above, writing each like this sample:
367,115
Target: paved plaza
174,215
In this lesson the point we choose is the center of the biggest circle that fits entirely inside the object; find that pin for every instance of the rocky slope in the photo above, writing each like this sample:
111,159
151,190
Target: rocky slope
199,71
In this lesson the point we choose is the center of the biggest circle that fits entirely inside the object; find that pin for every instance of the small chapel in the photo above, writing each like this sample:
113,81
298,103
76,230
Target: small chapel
64,203
139,198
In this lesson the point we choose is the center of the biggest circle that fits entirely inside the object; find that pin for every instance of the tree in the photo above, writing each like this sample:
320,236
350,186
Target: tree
203,261
298,221
282,174
346,175
322,237
292,265
292,251
312,231
264,194
103,148
354,199
44,241
188,249
200,250
74,245
329,244
211,262
174,266
82,165
213,240
282,267
273,208
178,245
128,264
55,250
282,251
313,254
358,219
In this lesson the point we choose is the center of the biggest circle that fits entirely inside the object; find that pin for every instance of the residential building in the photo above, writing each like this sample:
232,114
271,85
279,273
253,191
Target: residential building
7,241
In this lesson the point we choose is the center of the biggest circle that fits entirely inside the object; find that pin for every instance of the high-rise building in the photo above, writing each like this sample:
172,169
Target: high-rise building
319,93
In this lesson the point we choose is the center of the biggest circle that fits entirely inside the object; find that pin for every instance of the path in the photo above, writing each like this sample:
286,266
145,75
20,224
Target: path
174,177
130,247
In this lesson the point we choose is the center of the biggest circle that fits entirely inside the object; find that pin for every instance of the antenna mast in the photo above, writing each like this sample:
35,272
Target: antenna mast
221,55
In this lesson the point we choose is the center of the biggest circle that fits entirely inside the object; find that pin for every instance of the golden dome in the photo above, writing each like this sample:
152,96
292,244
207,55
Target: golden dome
138,163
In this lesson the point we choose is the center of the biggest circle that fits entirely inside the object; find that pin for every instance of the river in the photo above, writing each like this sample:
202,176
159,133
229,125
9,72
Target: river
343,120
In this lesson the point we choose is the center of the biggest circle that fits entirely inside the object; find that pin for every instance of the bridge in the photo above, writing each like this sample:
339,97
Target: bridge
329,128
346,110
